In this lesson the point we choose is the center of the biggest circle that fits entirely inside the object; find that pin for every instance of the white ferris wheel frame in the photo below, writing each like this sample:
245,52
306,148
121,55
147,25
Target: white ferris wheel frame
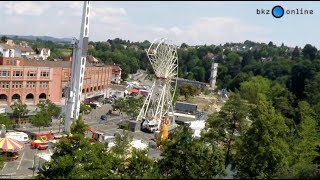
164,61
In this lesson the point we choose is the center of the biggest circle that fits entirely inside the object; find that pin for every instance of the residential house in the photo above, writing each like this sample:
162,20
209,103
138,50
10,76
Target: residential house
42,53
26,51
9,51
116,74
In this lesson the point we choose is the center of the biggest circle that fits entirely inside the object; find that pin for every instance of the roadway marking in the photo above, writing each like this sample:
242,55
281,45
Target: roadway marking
20,161
5,163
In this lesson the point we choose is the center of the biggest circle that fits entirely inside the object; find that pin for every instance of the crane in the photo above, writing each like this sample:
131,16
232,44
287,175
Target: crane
79,55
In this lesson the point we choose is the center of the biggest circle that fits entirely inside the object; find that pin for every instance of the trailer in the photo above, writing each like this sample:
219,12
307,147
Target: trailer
19,136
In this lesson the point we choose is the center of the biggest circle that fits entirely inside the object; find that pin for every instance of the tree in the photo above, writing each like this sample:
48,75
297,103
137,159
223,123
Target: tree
295,53
6,121
309,52
119,104
187,90
84,109
250,89
133,106
76,158
4,39
79,127
141,166
19,109
312,94
304,147
187,158
41,119
263,150
50,107
228,125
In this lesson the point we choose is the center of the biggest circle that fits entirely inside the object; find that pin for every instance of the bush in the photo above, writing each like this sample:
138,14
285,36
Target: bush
124,126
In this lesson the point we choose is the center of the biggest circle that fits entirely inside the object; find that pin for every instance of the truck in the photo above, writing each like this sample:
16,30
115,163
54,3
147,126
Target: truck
149,126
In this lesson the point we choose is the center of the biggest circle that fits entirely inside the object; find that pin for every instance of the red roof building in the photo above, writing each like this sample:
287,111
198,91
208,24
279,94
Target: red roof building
32,80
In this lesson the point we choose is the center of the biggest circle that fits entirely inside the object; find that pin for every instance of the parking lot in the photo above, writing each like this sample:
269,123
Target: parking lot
21,168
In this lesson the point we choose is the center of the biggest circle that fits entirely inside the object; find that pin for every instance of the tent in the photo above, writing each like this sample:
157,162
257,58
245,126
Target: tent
134,90
10,145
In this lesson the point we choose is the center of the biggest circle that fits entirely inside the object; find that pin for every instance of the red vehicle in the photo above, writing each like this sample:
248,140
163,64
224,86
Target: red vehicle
43,146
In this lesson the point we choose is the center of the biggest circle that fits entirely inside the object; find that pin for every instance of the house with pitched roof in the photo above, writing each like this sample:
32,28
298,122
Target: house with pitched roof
42,53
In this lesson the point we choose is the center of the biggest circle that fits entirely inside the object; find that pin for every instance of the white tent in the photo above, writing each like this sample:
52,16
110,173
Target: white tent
138,144
196,127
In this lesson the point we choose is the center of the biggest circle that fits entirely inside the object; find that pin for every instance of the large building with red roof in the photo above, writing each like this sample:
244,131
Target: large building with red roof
33,80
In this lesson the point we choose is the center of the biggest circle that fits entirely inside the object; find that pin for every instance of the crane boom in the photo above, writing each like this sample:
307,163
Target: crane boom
77,69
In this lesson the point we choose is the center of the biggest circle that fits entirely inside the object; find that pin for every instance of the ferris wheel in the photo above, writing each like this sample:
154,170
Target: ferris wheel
164,61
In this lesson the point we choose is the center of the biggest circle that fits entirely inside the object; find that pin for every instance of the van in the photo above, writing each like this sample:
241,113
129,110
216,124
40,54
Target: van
19,136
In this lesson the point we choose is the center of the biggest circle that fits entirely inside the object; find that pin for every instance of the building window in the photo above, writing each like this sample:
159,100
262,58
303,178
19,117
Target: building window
16,84
4,85
4,73
44,84
11,62
31,84
17,73
32,73
44,74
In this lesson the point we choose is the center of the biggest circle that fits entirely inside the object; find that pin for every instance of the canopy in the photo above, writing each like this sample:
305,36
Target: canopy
133,90
10,145
37,141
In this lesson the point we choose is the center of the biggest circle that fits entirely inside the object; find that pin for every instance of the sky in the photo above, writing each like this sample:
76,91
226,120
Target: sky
191,22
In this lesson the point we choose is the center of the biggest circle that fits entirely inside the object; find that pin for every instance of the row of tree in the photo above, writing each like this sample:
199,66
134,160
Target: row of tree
129,105
46,110
182,157
263,135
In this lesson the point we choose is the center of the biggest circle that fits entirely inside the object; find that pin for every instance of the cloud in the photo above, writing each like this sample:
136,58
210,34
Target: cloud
25,8
108,21
213,30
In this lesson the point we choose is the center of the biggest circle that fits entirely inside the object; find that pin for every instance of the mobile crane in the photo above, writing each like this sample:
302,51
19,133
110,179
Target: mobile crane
79,55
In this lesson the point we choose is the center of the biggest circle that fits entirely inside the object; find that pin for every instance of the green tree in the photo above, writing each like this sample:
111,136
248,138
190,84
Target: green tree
84,109
230,123
52,109
141,166
309,52
304,146
187,158
119,104
263,150
295,54
6,121
19,109
4,39
133,106
250,89
76,158
79,127
41,119
187,90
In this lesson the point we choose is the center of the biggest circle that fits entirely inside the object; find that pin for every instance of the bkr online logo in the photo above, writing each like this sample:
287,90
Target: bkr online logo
279,11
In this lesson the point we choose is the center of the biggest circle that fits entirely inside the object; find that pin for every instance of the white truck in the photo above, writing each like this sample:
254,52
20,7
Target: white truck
149,126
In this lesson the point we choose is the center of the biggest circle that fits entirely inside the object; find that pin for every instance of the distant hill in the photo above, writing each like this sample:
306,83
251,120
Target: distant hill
45,38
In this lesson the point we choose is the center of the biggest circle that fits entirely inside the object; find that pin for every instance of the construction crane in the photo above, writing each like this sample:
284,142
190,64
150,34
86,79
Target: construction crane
79,55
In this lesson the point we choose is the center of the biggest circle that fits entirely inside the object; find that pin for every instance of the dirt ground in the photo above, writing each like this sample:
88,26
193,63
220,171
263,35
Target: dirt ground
206,103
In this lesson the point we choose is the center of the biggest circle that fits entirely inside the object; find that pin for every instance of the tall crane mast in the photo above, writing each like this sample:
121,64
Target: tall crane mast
80,48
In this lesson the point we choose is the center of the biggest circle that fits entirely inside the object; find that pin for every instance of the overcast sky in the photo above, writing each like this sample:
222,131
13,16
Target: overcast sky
190,22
